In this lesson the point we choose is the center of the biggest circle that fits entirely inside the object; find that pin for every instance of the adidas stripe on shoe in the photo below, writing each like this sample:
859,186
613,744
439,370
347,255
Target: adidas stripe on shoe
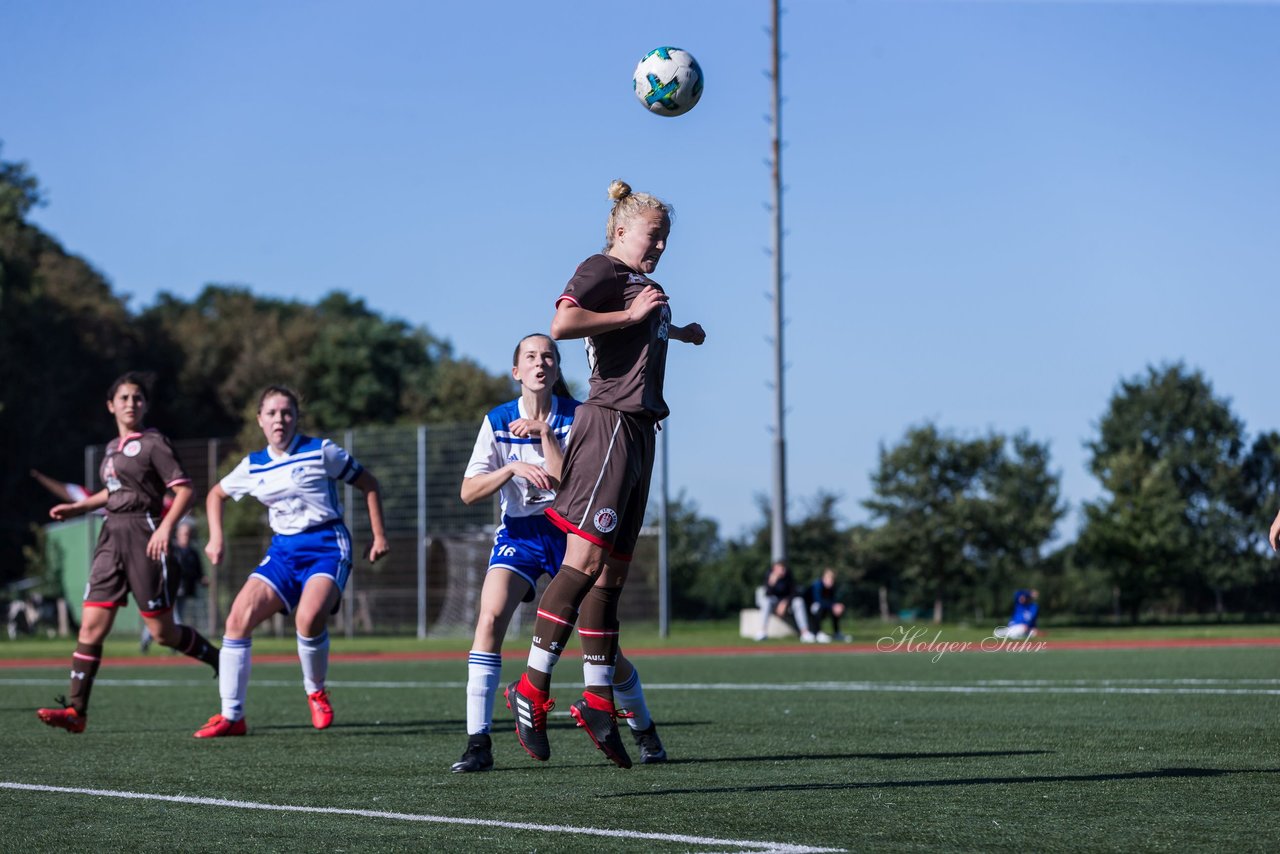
598,717
530,707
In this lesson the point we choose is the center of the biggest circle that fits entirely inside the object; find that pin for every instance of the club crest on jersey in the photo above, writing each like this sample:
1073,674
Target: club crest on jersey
605,520
298,473
131,448
635,279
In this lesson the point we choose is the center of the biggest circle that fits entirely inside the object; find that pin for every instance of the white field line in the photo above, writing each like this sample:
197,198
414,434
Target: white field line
1251,687
740,844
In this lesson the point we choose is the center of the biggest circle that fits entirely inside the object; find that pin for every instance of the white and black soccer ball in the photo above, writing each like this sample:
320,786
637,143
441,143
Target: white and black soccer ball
668,81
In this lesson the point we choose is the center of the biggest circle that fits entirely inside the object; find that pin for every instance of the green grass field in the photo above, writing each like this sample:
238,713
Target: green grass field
1153,749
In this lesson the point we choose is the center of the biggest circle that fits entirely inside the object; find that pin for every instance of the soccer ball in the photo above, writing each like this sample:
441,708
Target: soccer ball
668,81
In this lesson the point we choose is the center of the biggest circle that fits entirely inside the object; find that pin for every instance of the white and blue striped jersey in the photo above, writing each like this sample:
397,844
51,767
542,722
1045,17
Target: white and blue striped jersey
299,487
495,447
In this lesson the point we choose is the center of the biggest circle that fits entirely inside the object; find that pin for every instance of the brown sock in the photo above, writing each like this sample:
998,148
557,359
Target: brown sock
192,643
598,629
84,666
557,613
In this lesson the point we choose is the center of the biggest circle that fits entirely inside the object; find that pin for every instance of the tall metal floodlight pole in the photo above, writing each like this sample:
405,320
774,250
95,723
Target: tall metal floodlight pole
779,515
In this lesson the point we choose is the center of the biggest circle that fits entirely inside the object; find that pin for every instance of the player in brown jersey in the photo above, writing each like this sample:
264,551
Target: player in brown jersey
625,319
139,467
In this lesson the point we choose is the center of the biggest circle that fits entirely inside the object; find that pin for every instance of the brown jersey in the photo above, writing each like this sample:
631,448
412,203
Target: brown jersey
138,469
627,365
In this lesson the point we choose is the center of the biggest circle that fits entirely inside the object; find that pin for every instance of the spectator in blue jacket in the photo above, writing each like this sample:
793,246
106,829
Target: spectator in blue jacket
1023,622
823,600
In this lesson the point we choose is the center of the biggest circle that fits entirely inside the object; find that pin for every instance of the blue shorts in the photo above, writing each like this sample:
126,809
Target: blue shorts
293,559
529,546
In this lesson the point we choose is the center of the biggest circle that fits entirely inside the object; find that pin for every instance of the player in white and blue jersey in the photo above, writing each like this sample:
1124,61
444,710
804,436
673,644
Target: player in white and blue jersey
307,565
518,454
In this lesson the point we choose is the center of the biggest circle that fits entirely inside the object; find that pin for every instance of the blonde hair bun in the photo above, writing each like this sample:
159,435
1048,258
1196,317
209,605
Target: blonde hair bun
627,205
619,189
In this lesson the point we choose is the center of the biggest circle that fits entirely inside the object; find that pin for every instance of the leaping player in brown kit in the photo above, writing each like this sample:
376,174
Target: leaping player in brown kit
625,319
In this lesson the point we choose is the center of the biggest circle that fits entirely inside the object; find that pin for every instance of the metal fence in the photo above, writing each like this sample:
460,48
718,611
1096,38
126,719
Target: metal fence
429,584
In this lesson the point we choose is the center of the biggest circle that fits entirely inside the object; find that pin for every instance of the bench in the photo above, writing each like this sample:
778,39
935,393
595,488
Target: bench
749,625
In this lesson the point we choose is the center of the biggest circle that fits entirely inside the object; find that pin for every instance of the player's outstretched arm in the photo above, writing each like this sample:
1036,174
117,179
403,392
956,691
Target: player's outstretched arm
690,334
213,512
368,484
481,486
78,508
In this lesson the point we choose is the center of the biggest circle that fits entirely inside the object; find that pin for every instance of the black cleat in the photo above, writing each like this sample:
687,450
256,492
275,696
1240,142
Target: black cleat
530,712
477,757
651,749
602,726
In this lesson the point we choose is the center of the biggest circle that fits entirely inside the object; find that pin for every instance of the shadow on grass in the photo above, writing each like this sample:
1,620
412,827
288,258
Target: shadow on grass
452,727
798,757
1157,774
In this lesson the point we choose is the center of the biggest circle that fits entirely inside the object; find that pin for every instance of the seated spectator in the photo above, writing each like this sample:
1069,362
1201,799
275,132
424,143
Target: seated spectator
823,599
1023,622
777,597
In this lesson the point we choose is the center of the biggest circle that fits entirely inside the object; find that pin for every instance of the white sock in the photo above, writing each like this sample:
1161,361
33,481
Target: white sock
483,671
598,674
234,663
540,659
630,696
314,655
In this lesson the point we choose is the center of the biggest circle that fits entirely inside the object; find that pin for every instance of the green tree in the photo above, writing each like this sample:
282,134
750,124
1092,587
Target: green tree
958,516
1019,517
1138,535
63,337
714,579
352,366
19,191
693,549
1176,519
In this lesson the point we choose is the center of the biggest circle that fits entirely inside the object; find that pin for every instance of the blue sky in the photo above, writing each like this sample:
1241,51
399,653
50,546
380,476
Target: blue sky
996,210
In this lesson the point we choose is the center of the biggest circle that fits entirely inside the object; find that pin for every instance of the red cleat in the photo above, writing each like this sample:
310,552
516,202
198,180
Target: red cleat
321,710
219,727
68,719
530,707
599,718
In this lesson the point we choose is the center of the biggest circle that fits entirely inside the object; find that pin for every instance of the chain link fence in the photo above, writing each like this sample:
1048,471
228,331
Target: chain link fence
429,584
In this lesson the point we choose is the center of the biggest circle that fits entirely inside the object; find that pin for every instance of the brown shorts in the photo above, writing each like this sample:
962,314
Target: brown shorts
605,487
121,566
